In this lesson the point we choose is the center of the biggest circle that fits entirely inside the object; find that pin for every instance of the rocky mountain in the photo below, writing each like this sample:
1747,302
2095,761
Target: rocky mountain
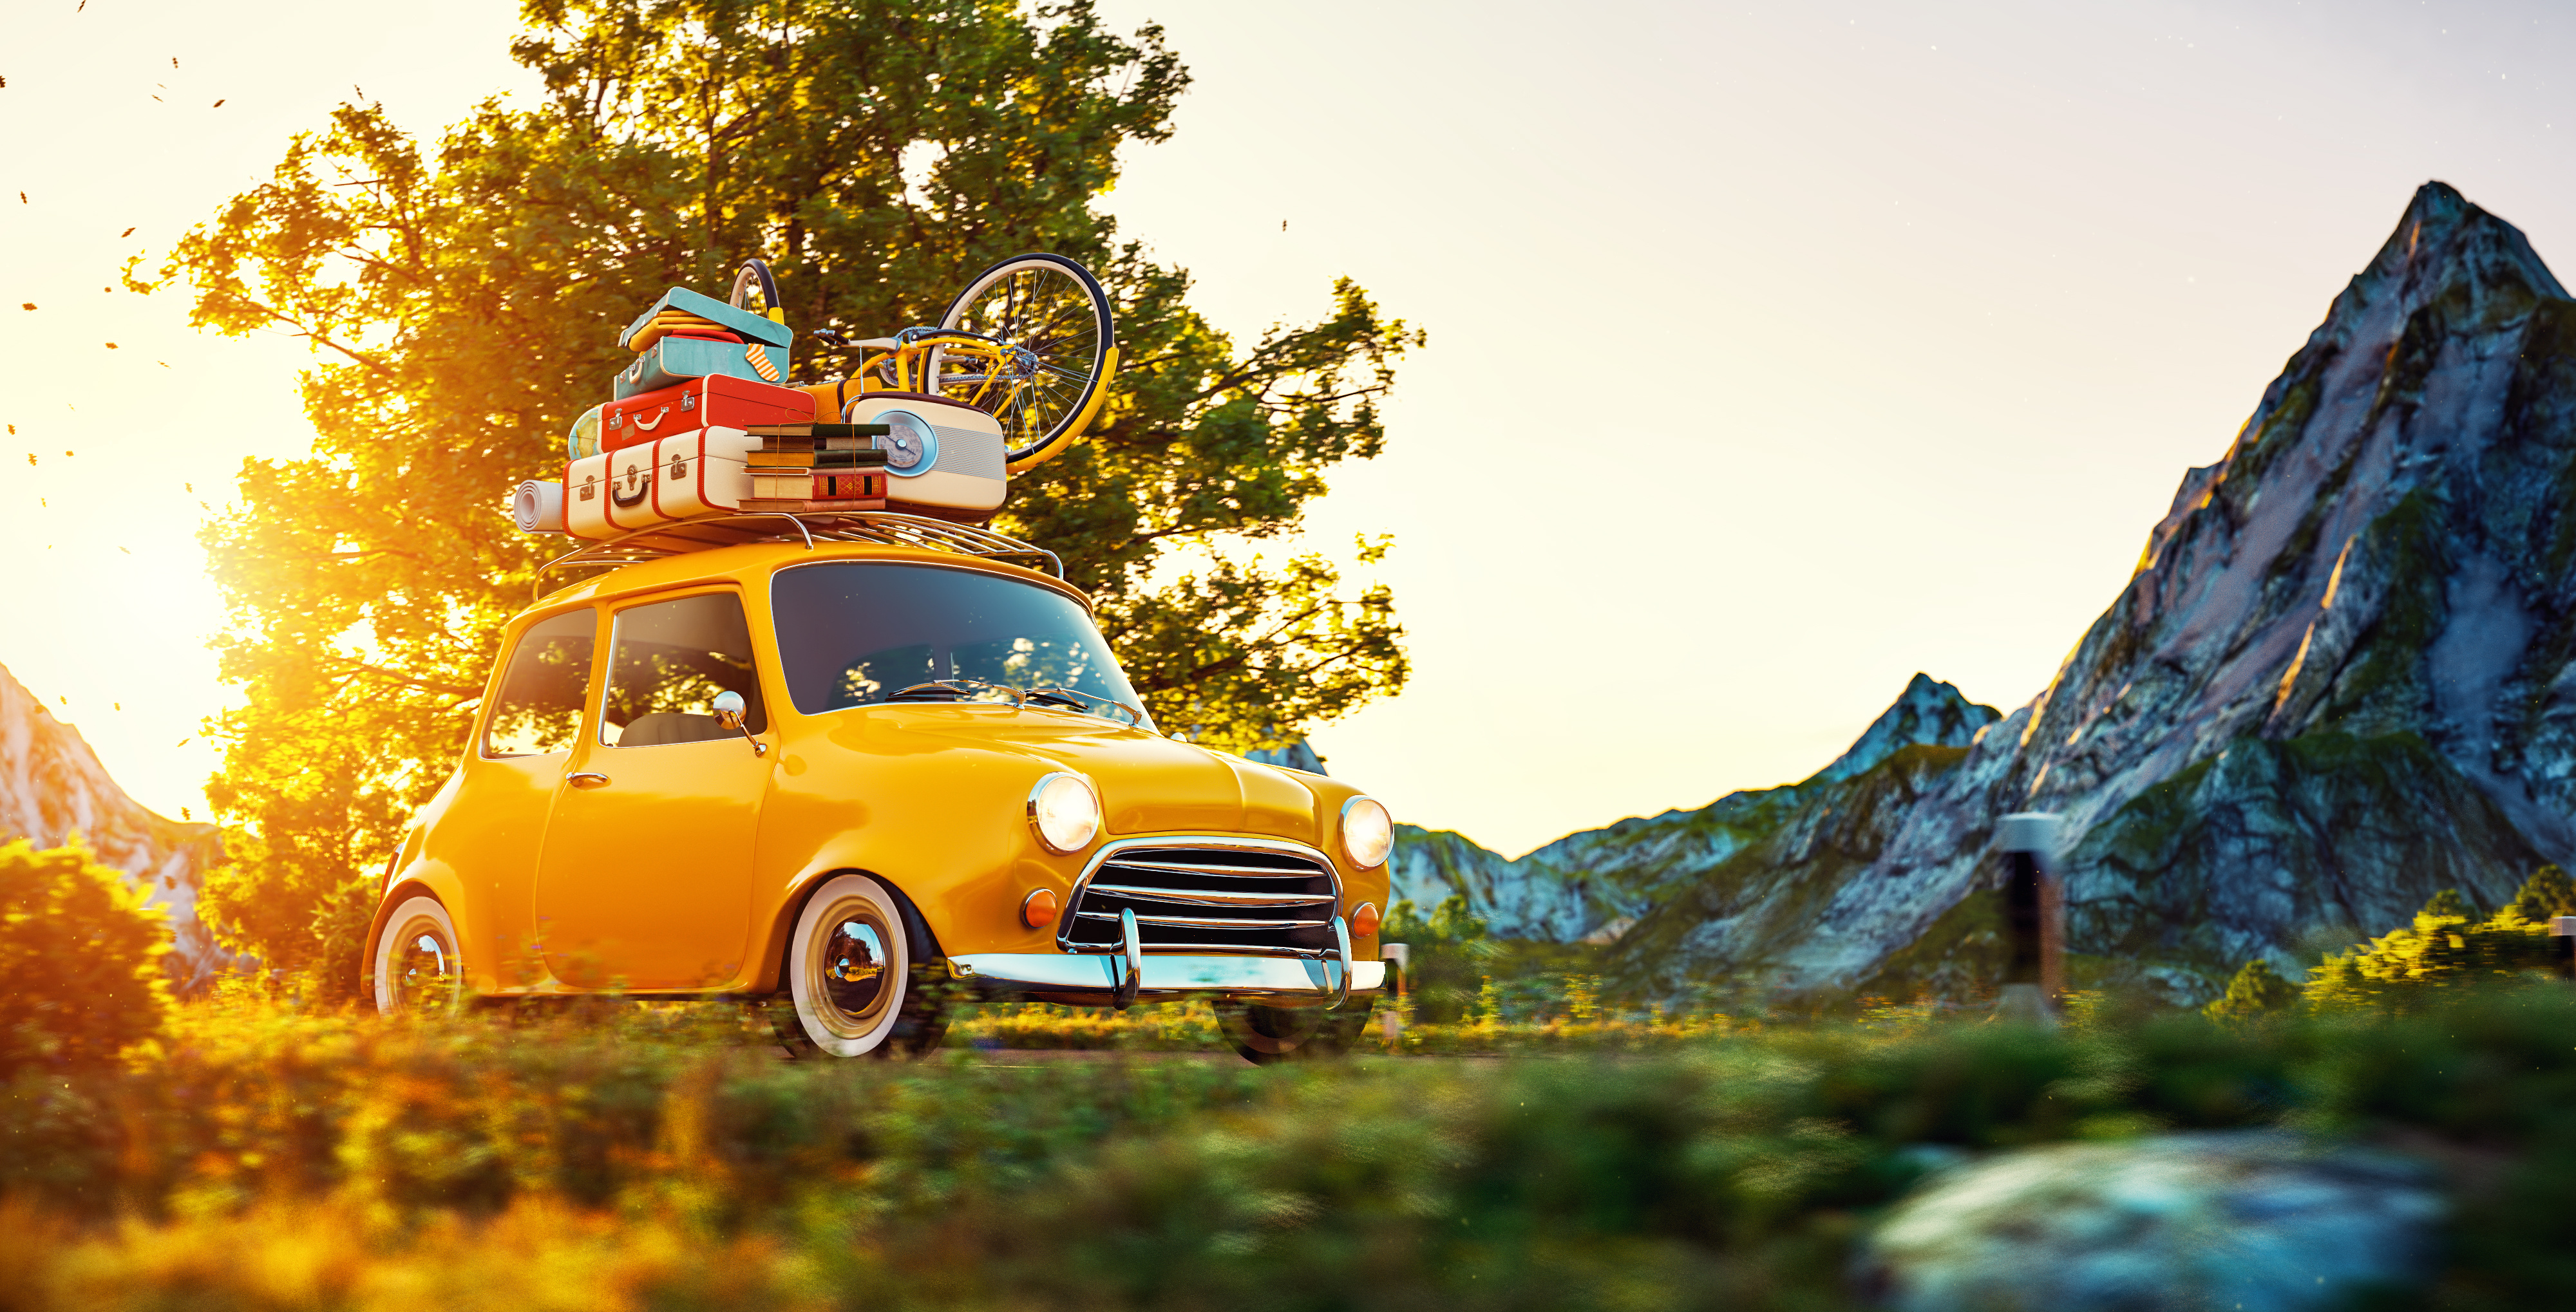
2338,682
1600,882
52,787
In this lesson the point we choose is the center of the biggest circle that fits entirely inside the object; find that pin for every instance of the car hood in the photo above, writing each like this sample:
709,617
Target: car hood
1148,783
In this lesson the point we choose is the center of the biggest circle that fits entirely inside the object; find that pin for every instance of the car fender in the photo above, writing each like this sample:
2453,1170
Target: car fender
435,879
768,973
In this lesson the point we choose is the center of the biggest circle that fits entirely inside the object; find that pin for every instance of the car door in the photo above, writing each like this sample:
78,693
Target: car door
491,834
645,879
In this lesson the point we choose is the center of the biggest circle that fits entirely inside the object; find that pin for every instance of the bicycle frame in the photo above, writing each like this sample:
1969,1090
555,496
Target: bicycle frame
990,364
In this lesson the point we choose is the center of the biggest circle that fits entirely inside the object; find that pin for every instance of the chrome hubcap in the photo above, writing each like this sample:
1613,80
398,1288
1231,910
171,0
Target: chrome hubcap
424,966
853,969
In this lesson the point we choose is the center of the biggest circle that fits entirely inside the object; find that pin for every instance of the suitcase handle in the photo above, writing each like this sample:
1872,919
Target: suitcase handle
757,269
644,427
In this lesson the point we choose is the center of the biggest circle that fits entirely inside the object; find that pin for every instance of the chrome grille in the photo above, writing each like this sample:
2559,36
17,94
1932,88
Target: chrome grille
1275,901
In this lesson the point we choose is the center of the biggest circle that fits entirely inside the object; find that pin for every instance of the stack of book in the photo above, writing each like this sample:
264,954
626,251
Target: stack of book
815,467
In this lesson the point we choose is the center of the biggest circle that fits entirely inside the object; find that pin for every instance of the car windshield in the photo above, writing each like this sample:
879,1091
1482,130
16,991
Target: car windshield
855,633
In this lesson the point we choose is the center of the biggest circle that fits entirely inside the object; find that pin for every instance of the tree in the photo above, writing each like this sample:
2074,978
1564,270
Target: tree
80,960
2448,947
2548,893
878,153
2257,990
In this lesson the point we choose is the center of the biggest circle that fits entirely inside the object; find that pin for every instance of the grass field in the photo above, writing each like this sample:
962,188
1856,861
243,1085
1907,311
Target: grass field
261,1156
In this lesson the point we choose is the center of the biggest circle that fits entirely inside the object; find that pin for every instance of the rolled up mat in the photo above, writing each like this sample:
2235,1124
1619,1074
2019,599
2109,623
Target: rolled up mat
538,506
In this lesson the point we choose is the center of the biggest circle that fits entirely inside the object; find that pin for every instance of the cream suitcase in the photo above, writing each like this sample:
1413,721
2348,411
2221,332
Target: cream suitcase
586,499
702,473
630,488
956,452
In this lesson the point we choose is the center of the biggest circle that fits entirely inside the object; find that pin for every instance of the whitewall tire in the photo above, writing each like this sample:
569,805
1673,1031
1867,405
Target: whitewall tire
850,966
418,966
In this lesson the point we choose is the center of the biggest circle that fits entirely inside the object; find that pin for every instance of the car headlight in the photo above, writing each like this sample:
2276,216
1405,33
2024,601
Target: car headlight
1064,812
1368,832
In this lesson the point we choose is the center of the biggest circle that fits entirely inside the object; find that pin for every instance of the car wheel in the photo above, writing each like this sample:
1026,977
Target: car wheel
418,968
851,970
1264,1035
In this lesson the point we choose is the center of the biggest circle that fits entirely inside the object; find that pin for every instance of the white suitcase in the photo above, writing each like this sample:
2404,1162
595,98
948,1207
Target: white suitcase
630,488
942,454
702,473
586,499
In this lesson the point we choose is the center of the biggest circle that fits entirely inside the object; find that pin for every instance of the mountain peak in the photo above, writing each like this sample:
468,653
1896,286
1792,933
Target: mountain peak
1928,711
52,787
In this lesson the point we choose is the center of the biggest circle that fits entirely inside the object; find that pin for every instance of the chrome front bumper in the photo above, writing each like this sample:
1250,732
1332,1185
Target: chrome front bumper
1098,976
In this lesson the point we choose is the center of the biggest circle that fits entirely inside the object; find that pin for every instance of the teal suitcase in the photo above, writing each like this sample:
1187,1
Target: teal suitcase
672,361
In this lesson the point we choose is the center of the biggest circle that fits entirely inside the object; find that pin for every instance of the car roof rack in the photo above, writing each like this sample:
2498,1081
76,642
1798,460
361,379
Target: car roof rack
875,527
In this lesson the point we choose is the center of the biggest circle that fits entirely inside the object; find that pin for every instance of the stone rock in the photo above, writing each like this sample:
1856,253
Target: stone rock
53,787
2258,1220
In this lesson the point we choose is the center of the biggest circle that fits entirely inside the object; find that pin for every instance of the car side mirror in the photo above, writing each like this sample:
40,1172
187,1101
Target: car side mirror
728,706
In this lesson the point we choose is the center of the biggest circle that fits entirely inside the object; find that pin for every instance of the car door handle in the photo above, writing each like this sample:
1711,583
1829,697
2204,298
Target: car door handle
587,779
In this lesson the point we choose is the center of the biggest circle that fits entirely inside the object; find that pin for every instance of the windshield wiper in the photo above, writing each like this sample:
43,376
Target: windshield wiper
1084,702
958,690
955,690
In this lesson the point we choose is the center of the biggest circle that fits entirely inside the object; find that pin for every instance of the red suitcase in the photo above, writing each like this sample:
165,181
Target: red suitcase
715,401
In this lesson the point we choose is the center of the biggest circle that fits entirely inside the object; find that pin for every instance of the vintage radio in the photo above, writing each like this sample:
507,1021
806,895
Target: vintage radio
941,456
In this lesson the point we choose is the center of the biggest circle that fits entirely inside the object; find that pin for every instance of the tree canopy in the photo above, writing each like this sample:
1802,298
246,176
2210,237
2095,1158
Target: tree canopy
462,296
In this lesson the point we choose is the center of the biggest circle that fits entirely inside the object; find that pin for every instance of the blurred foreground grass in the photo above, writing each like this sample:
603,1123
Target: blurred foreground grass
606,1157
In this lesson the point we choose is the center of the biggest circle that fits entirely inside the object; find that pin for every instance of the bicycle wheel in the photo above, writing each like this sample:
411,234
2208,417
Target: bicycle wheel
1052,316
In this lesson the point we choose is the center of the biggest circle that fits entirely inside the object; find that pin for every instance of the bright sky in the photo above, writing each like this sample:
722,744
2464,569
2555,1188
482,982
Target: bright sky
1776,353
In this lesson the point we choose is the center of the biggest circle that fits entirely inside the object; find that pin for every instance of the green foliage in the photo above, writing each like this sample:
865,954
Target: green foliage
2548,893
80,961
649,1157
2446,947
2257,990
1451,959
462,295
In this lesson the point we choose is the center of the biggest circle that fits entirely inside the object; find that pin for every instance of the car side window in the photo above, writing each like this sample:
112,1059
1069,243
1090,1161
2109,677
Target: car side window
538,709
668,662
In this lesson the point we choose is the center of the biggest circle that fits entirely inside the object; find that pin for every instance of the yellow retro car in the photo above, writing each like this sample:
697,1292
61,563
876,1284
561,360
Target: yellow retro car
871,764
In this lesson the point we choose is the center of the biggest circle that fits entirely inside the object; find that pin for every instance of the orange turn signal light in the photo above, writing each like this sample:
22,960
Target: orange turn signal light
1037,910
1364,920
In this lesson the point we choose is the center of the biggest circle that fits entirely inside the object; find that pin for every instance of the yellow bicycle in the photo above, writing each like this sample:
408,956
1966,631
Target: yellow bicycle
1029,342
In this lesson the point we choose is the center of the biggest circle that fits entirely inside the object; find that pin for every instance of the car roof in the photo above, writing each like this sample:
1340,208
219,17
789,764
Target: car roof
751,562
